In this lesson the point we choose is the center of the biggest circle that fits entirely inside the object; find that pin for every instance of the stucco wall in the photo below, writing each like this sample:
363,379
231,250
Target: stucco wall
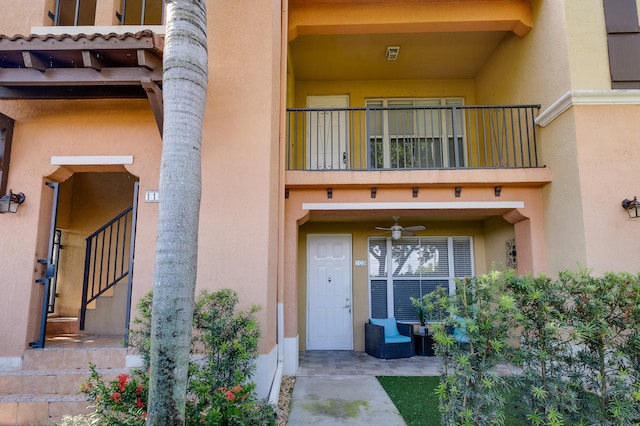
239,210
74,128
497,231
361,231
587,45
359,91
608,153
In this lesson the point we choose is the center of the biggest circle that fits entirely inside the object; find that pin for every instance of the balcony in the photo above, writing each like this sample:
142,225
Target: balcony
376,138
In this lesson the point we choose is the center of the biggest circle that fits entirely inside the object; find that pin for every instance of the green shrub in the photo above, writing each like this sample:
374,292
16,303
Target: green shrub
219,390
470,391
604,317
547,387
579,349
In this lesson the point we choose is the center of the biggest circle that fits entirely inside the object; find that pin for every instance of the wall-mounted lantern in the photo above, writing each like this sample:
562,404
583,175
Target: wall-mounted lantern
632,207
9,203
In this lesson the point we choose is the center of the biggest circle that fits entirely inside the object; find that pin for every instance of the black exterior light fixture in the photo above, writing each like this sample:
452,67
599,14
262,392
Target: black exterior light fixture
9,203
632,207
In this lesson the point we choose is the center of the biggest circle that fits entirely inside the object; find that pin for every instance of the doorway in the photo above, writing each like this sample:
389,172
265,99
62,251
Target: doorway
86,204
329,293
328,133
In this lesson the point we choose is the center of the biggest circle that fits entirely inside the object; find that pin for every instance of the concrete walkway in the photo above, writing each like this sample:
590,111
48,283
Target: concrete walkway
341,400
340,388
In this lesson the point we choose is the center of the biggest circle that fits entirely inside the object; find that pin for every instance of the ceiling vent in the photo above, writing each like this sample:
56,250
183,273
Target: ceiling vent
392,52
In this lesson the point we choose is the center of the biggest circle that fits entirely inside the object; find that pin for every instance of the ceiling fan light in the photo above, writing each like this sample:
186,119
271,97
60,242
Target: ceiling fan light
396,234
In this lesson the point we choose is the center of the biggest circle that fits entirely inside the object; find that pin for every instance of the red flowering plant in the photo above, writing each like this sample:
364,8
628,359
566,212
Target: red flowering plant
227,407
122,401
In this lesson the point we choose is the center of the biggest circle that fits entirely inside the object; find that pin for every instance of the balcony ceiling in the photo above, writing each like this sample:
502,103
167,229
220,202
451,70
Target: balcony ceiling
422,56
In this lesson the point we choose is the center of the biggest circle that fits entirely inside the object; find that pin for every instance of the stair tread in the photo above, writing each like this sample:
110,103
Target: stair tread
61,372
41,398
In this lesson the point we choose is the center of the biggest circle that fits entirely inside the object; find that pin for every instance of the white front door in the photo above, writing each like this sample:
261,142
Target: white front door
329,299
327,133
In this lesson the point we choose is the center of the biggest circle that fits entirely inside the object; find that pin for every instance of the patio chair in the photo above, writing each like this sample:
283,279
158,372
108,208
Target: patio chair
386,338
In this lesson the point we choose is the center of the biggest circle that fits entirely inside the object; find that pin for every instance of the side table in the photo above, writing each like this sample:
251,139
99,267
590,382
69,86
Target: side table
423,344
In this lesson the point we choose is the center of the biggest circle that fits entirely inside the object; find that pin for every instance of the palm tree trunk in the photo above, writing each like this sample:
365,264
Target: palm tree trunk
184,91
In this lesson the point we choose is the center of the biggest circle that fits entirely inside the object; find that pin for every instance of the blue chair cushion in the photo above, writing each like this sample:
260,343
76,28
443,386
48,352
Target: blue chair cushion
397,339
460,334
389,324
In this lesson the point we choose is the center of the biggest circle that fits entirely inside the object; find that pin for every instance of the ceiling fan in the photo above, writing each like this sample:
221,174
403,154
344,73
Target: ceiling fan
398,231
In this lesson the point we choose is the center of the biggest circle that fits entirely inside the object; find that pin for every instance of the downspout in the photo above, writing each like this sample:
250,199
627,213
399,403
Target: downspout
277,380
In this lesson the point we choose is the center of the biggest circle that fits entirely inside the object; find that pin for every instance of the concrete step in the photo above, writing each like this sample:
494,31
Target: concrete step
62,325
54,382
47,386
44,410
54,358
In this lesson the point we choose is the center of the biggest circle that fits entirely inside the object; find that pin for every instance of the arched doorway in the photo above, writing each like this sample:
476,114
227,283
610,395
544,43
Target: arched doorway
86,289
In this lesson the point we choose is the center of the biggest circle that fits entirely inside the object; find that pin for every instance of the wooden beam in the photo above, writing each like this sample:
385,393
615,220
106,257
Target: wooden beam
148,60
154,93
129,76
90,60
33,61
72,92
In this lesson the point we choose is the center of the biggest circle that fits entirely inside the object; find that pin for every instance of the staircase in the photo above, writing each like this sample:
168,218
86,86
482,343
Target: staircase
107,273
46,387
107,317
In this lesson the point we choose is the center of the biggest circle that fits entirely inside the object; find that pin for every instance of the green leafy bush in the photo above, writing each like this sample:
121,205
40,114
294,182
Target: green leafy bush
578,347
470,391
219,390
604,317
547,388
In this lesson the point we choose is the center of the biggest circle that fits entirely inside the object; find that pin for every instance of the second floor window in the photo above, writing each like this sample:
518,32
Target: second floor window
75,12
142,12
415,133
130,12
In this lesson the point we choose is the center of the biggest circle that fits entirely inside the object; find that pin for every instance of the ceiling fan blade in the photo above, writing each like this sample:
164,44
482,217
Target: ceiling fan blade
380,228
406,233
414,228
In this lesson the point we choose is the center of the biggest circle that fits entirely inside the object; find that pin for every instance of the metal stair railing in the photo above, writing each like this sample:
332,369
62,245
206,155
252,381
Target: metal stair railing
107,259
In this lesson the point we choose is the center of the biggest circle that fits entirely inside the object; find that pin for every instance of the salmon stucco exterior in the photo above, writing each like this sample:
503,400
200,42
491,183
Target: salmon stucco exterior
499,133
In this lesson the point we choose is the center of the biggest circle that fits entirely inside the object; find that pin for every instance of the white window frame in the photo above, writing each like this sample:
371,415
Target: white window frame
451,278
417,102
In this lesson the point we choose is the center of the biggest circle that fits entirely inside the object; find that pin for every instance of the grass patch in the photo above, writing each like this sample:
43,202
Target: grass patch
414,397
417,402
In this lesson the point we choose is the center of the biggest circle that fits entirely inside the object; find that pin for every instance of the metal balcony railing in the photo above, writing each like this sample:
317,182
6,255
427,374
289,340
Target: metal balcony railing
401,138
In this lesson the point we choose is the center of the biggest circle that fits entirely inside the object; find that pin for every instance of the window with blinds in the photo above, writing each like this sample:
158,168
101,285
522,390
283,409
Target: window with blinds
419,133
74,12
412,267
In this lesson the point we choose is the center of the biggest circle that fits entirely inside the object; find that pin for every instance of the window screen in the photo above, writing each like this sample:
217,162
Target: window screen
418,266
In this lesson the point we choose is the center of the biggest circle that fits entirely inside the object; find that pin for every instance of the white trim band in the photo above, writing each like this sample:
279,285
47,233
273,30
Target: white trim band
91,160
435,205
587,97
